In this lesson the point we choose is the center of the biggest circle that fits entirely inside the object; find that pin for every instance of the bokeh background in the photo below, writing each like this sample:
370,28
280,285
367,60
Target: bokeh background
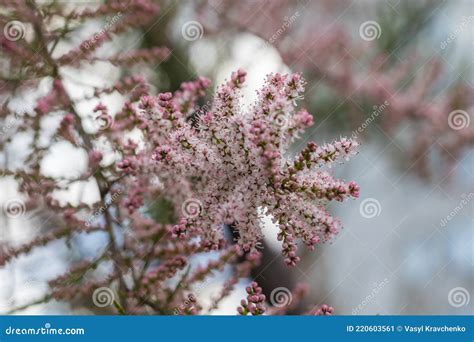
407,243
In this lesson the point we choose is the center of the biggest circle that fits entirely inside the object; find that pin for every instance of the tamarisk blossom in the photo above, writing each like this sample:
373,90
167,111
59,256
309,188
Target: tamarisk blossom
165,199
255,301
324,310
231,162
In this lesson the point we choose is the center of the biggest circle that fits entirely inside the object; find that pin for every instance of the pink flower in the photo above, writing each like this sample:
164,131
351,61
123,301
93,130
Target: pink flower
255,304
236,163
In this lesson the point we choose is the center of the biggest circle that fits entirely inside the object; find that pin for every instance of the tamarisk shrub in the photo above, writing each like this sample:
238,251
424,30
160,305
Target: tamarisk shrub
174,192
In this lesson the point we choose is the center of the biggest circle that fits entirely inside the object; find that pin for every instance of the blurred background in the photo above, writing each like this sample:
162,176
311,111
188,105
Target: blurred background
396,75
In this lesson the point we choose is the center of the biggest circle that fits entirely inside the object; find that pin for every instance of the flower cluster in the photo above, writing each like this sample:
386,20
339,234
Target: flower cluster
324,310
231,161
188,178
254,303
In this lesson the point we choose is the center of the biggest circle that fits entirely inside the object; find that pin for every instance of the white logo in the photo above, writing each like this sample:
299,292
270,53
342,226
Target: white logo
458,297
370,208
191,208
192,30
14,30
105,121
370,30
458,119
281,297
14,208
102,297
